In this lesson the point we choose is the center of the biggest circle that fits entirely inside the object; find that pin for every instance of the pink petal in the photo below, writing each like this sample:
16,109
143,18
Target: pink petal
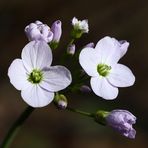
35,96
56,78
121,76
109,50
89,60
36,55
101,87
18,74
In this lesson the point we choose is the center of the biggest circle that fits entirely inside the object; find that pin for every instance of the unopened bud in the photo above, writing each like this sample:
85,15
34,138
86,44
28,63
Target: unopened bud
119,120
122,121
38,31
60,101
62,104
85,89
56,28
71,49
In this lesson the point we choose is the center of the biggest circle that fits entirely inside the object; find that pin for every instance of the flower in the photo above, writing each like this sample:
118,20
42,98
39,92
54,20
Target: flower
39,31
101,63
80,25
56,28
122,121
34,75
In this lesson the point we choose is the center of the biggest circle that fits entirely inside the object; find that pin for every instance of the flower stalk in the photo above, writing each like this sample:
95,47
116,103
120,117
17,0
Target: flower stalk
16,126
80,112
23,117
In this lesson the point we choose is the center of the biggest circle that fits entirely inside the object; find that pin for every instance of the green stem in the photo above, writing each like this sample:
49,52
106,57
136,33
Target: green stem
16,126
71,42
80,112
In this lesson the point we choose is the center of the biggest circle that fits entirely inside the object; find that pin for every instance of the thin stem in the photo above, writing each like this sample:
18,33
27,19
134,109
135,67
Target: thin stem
80,112
16,126
72,41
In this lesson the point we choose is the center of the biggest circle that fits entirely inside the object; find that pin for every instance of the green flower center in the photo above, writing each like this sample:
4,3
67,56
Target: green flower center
103,69
35,76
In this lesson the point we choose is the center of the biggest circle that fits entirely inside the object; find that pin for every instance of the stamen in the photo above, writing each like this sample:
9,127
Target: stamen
35,76
103,69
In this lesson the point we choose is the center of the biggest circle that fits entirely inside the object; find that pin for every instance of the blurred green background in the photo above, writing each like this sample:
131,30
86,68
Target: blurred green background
47,127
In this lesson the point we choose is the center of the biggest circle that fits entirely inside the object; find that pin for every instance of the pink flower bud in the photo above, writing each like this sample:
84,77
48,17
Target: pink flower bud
56,28
39,31
85,89
71,49
122,121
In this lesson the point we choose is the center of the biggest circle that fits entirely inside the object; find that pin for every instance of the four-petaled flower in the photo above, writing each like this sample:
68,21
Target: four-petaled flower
102,65
80,25
35,77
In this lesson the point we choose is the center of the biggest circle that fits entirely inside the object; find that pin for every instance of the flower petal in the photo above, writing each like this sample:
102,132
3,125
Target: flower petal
109,50
121,76
18,74
131,134
36,96
36,55
123,47
89,60
56,78
74,21
101,87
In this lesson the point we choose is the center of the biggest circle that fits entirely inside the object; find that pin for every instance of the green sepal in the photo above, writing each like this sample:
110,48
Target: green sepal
100,117
53,44
76,33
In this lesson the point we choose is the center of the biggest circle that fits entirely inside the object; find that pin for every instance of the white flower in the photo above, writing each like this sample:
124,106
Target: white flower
101,64
80,25
34,76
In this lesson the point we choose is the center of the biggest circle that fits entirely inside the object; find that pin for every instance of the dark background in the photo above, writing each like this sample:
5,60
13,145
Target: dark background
49,128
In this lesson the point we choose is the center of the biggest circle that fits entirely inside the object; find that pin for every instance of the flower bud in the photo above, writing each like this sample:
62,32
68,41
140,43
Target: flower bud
60,101
122,121
119,120
85,89
38,31
56,28
62,104
79,27
71,49
91,45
